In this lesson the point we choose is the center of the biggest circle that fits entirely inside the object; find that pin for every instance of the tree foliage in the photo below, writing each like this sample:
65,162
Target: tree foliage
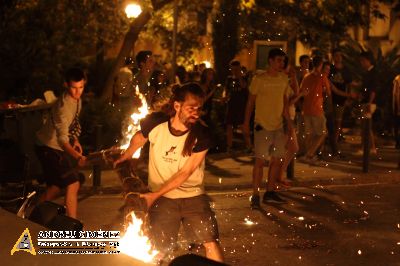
40,38
160,27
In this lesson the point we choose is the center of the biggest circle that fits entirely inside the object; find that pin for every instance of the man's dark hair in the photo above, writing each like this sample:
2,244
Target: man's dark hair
317,61
142,56
235,63
367,55
274,52
303,57
326,63
179,94
74,74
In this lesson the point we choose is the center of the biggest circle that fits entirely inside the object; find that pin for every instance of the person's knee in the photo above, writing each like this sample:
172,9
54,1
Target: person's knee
74,187
259,163
211,245
294,148
277,160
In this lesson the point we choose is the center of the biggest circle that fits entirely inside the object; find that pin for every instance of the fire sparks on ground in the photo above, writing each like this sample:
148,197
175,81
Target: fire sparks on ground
135,244
248,221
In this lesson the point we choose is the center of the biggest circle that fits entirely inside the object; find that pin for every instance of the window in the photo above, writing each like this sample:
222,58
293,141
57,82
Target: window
262,48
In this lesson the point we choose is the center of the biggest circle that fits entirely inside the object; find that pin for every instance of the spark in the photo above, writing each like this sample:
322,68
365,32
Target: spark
359,252
248,221
301,218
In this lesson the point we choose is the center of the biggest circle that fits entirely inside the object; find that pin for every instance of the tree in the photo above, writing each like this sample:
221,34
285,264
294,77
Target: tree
40,38
189,31
225,35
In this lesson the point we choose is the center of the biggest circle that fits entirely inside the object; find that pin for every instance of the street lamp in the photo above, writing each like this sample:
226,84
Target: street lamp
133,10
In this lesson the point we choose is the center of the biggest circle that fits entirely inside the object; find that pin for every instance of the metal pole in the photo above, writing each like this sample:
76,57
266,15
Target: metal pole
174,32
365,140
96,167
290,170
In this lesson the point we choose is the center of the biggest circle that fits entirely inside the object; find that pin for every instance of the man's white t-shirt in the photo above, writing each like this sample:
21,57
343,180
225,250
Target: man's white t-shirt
165,155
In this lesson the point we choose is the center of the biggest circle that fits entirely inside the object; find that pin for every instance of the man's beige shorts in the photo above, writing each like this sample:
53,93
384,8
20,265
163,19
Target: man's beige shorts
315,125
269,143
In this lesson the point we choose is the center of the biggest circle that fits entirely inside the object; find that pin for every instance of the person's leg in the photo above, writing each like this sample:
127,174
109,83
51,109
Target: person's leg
275,168
262,143
199,222
71,199
229,136
308,131
319,131
301,133
278,152
164,221
51,193
246,138
315,144
274,172
213,251
258,171
330,125
292,149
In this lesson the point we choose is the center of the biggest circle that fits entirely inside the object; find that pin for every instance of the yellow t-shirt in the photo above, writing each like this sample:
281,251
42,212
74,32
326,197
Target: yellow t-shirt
270,92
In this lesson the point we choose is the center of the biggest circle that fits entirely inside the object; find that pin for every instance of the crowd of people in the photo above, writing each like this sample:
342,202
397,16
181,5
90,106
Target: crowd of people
282,112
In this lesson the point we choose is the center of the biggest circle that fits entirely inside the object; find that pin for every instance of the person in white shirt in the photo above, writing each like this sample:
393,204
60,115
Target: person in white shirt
178,146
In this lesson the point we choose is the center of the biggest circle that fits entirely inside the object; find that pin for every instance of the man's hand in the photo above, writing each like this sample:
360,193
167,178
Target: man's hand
82,161
150,198
77,146
121,159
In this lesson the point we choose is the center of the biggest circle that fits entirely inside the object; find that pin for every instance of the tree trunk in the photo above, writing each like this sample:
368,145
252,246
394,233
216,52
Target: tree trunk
225,36
129,41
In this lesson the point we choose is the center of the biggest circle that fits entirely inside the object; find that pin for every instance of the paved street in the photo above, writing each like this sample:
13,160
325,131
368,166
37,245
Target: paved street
336,214
332,225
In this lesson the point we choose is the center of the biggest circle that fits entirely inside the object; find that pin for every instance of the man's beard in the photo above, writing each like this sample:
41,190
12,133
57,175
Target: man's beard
188,122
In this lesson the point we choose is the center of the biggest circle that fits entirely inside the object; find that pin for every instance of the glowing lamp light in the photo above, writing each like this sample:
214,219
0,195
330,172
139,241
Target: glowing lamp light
133,10
207,63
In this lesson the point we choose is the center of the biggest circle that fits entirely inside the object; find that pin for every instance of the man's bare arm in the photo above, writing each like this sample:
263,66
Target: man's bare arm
137,141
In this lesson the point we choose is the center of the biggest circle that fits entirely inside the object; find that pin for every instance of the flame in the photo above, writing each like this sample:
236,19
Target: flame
135,126
135,244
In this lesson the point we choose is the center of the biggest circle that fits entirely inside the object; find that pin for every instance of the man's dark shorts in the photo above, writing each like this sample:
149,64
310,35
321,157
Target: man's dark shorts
58,170
195,214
